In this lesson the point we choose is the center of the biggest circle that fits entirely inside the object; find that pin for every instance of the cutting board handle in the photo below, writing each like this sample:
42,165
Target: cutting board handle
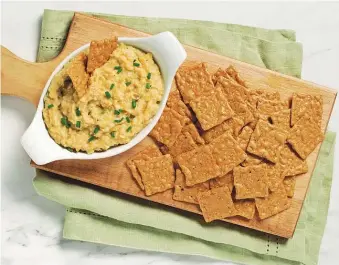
22,78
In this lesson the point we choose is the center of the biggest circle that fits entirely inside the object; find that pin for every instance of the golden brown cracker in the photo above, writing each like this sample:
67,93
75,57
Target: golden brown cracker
232,72
198,165
264,94
233,125
77,73
184,193
157,174
266,141
225,180
274,203
281,119
216,204
245,208
175,103
192,130
194,81
289,184
274,176
311,104
305,135
169,127
99,52
290,163
211,109
250,182
227,152
183,144
265,108
149,152
251,160
244,137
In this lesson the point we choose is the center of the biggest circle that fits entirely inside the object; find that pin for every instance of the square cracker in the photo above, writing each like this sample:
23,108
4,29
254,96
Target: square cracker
184,193
274,176
289,184
198,165
266,141
194,81
250,182
212,109
244,137
168,127
157,174
77,73
227,152
290,163
281,119
302,104
266,108
175,103
233,125
264,94
99,52
216,204
236,99
148,153
226,180
305,136
245,208
276,202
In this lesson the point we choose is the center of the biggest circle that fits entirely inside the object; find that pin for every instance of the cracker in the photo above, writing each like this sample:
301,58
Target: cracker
146,154
157,174
193,82
216,204
192,130
175,103
212,109
266,140
289,184
274,176
219,73
305,135
290,163
266,108
235,97
244,137
187,194
245,208
226,180
233,125
281,119
183,144
276,202
198,165
77,73
227,152
250,182
233,73
99,52
168,127
302,104
264,94
251,160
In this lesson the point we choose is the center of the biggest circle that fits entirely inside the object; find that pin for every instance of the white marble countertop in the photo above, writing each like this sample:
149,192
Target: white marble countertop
32,226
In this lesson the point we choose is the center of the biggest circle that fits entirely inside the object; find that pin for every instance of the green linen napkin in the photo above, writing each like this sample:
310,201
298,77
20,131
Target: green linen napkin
102,216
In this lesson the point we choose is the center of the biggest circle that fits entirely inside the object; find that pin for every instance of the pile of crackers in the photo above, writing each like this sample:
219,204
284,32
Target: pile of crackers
231,149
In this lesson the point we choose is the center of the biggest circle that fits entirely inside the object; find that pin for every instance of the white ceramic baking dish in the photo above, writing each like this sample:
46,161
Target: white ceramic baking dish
169,55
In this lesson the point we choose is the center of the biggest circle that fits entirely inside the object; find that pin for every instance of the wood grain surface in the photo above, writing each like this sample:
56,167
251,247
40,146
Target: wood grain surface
25,79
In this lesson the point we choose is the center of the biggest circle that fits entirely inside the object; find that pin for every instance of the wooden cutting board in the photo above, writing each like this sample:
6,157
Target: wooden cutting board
25,79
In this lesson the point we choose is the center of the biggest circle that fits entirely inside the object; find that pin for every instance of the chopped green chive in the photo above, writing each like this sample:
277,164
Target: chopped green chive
118,68
78,124
128,83
70,149
108,95
129,129
128,119
111,87
90,139
149,75
50,106
117,112
134,103
77,112
65,122
117,121
136,64
96,129
148,85
113,134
